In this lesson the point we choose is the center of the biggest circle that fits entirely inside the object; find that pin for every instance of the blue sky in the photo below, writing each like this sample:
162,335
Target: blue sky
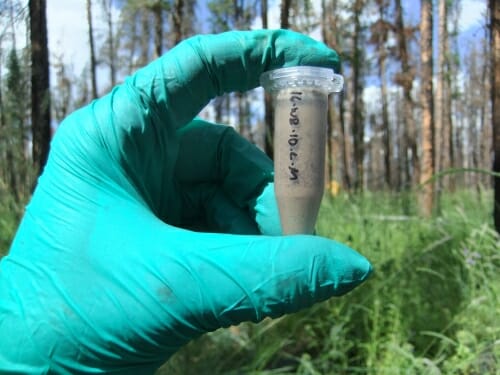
68,33
68,26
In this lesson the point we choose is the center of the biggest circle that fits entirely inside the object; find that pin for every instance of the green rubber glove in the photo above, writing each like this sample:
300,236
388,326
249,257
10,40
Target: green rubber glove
144,231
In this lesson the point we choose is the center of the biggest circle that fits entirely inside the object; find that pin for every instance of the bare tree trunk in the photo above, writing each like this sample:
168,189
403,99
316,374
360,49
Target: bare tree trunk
158,27
485,131
9,171
473,114
330,24
218,108
443,141
284,24
406,81
268,102
460,146
40,96
61,98
358,131
375,173
112,47
133,43
3,121
452,86
93,64
332,144
177,18
381,39
387,144
439,148
244,124
339,148
240,125
494,6
401,143
426,97
346,144
335,133
285,14
330,159
263,13
145,35
108,11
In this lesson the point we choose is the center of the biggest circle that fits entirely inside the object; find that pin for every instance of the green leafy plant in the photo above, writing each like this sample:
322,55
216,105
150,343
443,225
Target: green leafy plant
431,306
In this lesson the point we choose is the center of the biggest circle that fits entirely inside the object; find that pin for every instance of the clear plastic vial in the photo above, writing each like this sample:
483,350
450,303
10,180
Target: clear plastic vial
300,98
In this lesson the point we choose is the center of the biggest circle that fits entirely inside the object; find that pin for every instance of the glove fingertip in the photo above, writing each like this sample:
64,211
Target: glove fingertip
348,269
357,270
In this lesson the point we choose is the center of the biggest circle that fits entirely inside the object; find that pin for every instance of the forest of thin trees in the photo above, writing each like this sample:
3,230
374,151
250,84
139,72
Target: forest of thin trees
417,101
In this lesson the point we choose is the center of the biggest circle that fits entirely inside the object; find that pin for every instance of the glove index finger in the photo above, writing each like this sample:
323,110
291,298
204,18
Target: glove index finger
235,60
200,68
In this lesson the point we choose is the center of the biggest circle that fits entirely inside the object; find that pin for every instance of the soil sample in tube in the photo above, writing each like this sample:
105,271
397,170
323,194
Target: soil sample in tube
300,97
299,155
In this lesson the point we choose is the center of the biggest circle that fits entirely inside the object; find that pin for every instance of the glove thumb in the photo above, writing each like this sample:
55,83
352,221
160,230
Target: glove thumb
247,278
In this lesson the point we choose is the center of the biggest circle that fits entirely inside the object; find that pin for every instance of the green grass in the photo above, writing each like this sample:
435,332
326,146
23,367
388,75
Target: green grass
432,305
10,212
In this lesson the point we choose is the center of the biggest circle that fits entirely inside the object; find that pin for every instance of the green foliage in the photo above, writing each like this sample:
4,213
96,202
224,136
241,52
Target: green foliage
10,213
15,162
17,87
431,307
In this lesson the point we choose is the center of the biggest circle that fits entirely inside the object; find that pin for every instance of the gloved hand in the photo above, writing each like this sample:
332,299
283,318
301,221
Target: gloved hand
107,275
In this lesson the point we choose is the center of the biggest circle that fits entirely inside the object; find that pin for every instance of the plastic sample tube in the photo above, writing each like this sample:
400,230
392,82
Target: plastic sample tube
300,98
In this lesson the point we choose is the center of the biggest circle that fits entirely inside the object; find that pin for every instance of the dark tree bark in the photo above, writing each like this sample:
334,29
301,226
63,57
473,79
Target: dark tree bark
485,132
443,135
268,103
380,30
263,13
330,139
268,115
336,150
40,96
385,121
108,10
285,14
358,130
405,79
177,20
157,10
93,63
494,6
3,121
145,37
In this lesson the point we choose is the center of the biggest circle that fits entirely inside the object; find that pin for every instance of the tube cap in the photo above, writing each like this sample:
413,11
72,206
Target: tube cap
302,76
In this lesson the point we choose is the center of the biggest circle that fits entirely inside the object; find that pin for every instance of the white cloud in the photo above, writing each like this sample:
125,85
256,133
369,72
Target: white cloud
472,13
67,29
274,15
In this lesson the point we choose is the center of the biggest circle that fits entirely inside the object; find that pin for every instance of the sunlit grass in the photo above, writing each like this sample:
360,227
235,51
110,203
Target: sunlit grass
431,307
